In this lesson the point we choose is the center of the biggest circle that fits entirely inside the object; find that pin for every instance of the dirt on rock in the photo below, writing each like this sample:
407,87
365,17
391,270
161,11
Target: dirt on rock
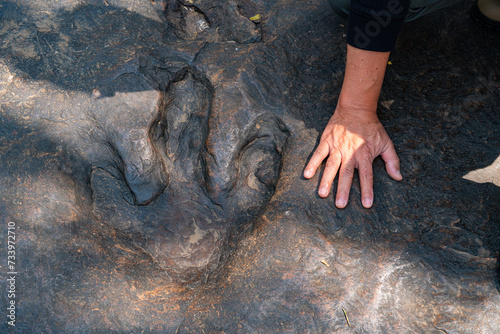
152,156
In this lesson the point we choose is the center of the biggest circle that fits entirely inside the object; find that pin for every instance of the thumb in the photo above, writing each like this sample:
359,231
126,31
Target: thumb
391,162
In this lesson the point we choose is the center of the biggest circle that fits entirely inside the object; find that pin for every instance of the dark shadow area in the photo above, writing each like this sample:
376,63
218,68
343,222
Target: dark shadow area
77,48
498,275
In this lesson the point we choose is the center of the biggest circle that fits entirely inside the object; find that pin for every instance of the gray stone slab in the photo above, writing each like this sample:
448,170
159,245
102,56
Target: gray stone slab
152,156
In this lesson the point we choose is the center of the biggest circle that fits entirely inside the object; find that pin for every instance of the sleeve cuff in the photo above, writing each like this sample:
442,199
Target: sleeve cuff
375,32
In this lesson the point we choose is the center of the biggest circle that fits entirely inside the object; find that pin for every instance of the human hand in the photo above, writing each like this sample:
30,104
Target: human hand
352,139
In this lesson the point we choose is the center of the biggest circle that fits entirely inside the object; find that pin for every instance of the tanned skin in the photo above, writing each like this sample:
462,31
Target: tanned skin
354,136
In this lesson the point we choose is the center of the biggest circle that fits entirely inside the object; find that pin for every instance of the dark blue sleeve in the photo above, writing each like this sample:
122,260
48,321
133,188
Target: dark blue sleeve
375,24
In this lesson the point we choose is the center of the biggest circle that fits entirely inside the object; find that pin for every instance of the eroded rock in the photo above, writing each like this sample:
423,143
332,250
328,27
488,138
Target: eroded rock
152,156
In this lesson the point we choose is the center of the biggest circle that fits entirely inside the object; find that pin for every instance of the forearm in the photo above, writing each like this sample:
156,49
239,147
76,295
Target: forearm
363,78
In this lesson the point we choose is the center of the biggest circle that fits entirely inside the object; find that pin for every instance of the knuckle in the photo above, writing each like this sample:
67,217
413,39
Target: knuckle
349,172
320,152
367,177
331,163
365,155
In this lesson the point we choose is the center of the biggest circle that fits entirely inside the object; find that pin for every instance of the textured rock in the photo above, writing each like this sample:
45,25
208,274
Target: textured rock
151,159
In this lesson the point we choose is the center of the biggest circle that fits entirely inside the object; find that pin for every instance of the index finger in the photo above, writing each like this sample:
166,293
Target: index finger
317,158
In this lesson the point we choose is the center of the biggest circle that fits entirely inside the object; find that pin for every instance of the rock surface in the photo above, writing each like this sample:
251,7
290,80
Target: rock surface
151,160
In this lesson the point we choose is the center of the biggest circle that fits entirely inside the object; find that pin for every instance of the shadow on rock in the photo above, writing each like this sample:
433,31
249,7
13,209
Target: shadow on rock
155,174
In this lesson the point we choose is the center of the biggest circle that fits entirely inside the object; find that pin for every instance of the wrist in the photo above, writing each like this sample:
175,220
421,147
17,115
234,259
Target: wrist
357,108
358,101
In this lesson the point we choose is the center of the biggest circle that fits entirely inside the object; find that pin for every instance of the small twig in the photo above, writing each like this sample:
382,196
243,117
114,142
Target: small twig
346,318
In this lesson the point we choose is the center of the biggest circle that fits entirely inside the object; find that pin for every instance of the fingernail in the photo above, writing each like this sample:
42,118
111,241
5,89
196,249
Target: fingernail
323,191
308,173
367,203
399,173
340,203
